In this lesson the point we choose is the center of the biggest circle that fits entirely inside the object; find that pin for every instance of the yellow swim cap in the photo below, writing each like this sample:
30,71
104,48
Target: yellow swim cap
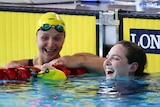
48,20
53,74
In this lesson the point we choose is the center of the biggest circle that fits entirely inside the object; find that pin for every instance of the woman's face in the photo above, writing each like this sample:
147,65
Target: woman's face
49,44
116,64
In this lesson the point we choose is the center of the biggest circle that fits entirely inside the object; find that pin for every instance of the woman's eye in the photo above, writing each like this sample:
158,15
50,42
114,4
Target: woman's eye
116,58
44,38
57,38
113,57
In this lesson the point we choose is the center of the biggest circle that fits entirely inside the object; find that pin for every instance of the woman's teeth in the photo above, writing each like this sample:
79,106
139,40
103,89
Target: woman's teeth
109,71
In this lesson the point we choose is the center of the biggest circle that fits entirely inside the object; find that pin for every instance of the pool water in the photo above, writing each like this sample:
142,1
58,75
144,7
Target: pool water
77,91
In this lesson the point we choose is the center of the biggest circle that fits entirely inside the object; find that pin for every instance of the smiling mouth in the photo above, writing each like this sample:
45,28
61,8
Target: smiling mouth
50,52
109,72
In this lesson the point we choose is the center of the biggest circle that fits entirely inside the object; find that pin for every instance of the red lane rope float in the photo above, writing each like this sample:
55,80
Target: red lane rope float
23,73
18,73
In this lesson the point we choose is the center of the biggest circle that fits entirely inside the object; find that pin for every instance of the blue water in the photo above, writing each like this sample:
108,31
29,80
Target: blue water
80,91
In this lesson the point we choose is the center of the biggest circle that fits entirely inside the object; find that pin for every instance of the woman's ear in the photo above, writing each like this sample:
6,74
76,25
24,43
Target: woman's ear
134,67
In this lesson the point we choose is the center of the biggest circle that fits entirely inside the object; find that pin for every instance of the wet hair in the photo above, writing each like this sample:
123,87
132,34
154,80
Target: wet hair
135,54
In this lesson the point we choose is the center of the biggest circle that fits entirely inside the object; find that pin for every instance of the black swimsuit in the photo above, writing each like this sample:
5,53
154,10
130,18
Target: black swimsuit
30,62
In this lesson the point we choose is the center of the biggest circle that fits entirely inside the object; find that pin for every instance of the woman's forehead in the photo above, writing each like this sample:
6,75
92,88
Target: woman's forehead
118,49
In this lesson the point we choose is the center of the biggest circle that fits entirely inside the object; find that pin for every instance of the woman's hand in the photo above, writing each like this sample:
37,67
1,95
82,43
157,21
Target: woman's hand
44,66
68,61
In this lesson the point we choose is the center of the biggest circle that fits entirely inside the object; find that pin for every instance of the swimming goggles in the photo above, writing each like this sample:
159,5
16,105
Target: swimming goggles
46,27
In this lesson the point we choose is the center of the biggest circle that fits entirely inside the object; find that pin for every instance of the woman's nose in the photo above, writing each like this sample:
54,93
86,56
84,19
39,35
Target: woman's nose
50,42
107,62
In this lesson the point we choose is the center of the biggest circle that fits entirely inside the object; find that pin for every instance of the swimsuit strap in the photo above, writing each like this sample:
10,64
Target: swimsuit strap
30,62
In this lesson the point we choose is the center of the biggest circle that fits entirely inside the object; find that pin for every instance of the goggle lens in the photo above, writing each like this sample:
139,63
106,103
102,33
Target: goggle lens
46,27
59,28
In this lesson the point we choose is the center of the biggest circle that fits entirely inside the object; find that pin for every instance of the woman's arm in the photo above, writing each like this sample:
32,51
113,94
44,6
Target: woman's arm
16,63
81,60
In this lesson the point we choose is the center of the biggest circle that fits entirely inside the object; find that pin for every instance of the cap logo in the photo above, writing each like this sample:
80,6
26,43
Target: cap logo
51,19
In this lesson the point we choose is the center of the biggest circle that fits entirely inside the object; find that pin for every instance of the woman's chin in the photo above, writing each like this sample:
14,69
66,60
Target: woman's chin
109,76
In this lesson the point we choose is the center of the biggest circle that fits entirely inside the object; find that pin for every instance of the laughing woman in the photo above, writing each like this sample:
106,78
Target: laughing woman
124,67
125,59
